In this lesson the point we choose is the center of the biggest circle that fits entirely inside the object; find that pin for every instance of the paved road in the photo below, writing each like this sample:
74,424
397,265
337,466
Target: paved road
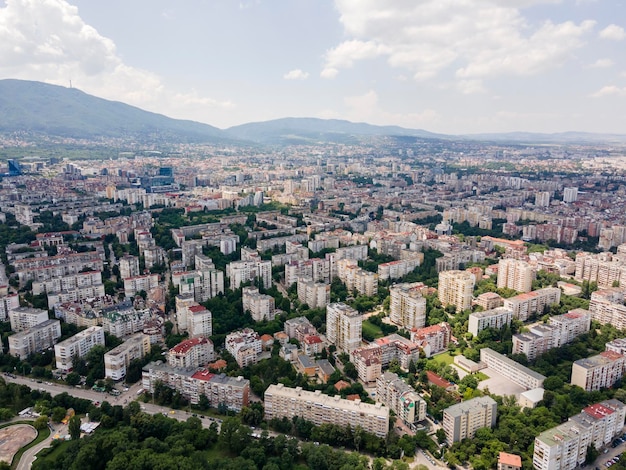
28,457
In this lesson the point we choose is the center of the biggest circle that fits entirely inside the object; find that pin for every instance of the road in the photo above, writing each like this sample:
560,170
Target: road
28,457
611,452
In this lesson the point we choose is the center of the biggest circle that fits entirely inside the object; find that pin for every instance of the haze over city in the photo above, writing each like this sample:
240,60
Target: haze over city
457,67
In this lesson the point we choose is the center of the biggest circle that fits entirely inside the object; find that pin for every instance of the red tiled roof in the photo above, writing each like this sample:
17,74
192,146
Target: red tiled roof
437,380
203,375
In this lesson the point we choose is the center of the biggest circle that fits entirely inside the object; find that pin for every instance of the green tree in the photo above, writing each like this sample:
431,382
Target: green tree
74,427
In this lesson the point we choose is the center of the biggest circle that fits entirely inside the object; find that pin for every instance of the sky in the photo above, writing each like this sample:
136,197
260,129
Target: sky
449,66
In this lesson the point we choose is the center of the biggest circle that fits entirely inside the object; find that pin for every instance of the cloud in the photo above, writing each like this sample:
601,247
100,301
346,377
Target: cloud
49,41
609,90
478,40
602,63
362,106
613,33
296,74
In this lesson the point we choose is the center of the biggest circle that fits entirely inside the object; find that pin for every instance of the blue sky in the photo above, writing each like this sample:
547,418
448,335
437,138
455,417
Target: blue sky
452,66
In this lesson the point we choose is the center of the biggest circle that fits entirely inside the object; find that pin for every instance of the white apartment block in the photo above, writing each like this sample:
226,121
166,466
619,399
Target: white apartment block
607,306
513,371
601,268
219,389
355,278
261,306
59,266
462,420
343,327
516,274
597,372
129,266
372,359
456,288
8,303
368,363
116,361
77,346
194,353
244,345
35,339
397,269
400,398
433,339
617,345
315,268
199,322
203,284
299,328
535,342
407,307
281,401
240,272
76,295
489,300
123,320
314,294
68,283
23,318
183,303
495,318
570,325
524,306
146,283
564,447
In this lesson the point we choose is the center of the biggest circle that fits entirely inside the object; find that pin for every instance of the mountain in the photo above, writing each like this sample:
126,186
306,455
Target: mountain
41,109
312,130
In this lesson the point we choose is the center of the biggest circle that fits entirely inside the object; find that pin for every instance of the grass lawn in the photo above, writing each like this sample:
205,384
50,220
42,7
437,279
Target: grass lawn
52,453
480,376
371,330
446,358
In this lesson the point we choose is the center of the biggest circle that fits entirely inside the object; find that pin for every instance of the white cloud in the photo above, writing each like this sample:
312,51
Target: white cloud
329,72
470,87
602,63
479,39
49,41
296,74
609,90
613,33
362,106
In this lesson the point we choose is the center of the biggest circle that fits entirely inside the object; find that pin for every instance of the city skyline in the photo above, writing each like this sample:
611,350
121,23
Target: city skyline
450,68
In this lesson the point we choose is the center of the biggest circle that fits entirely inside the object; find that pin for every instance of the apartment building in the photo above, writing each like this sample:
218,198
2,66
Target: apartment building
355,278
194,353
129,266
240,272
462,420
133,285
496,318
281,401
314,294
77,346
73,287
343,327
618,345
59,266
372,359
244,345
204,283
37,338
598,372
299,328
607,306
8,303
199,322
407,307
315,268
570,325
535,342
23,318
489,300
525,306
433,339
401,398
508,461
600,268
219,389
564,447
261,306
511,370
398,268
123,319
516,274
117,360
456,288
368,363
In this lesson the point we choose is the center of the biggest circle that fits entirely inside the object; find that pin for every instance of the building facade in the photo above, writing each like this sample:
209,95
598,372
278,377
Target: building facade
462,420
343,327
77,346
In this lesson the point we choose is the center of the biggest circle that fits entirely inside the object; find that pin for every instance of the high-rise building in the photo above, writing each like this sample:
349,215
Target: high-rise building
462,420
77,346
495,318
542,199
117,360
565,446
194,353
524,306
314,294
570,194
261,306
343,327
598,372
516,274
23,318
407,307
401,398
35,339
456,288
